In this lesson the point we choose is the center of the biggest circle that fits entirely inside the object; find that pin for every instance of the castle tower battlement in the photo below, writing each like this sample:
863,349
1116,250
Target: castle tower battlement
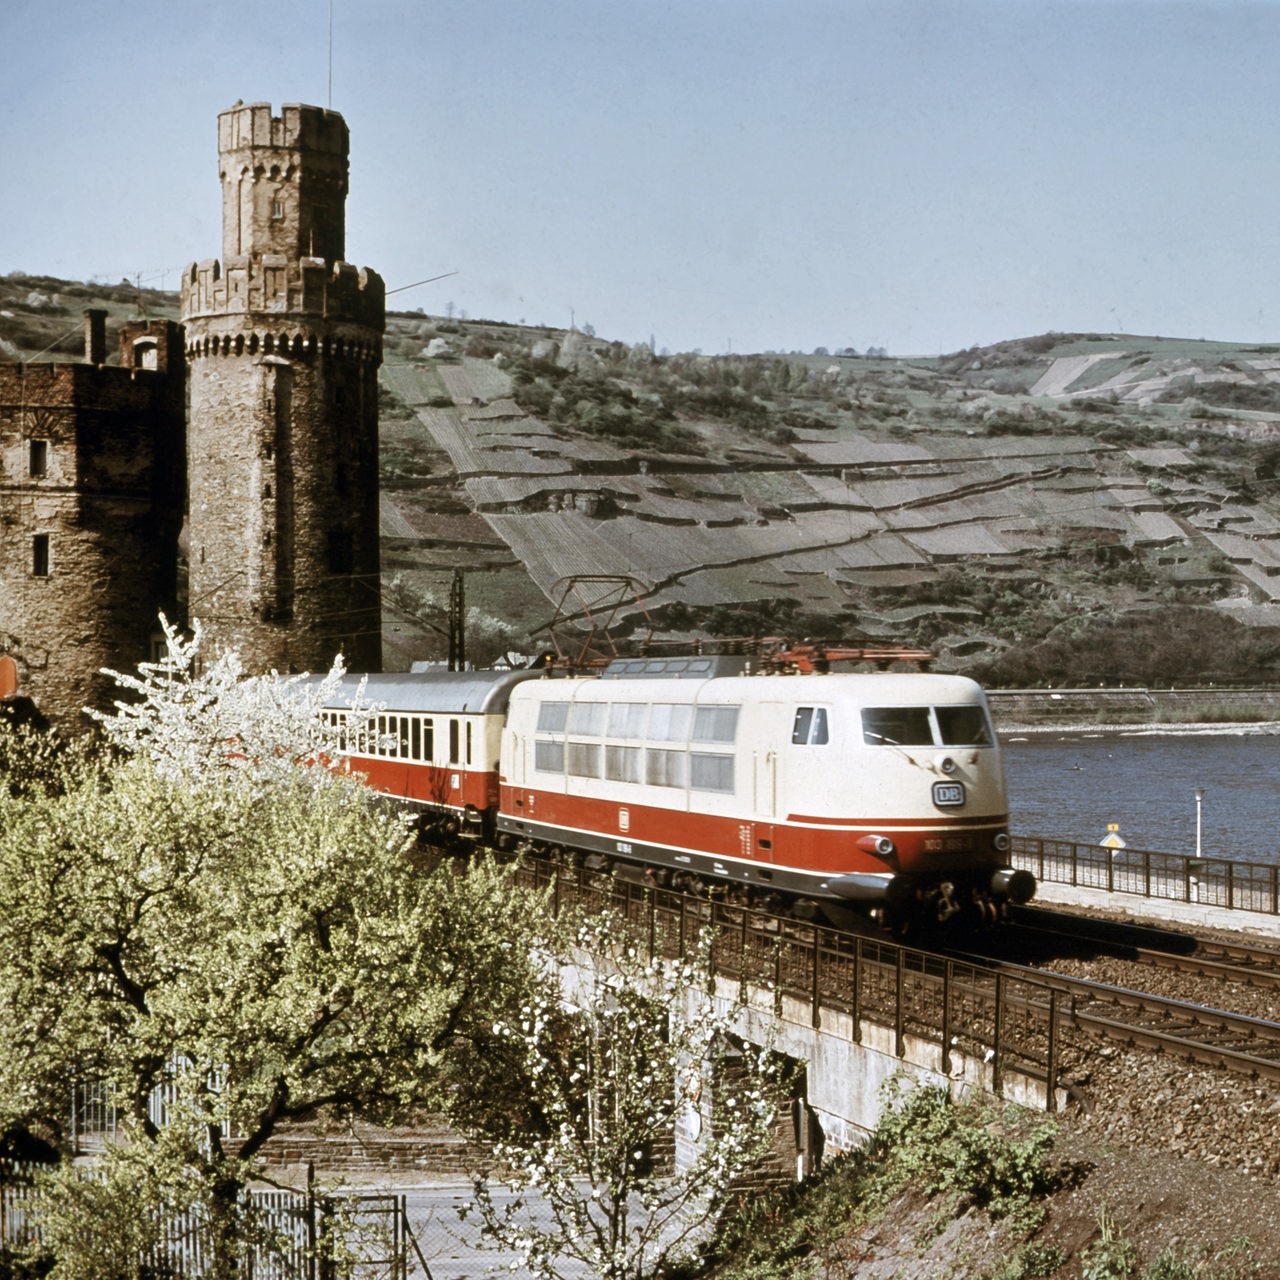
271,282
284,340
284,181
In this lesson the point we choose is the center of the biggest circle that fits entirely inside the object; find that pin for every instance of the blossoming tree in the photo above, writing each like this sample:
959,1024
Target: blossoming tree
226,934
613,1058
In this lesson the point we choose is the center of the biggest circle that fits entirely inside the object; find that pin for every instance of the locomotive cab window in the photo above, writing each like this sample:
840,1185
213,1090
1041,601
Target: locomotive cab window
954,726
810,727
897,726
963,726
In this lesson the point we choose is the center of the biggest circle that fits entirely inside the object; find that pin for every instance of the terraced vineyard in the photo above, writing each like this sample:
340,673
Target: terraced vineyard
935,501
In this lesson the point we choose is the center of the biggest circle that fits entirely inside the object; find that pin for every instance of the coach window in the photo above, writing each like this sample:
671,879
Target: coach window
709,772
382,744
415,738
664,768
715,724
810,727
469,728
406,741
552,716
669,722
455,743
626,719
621,764
586,719
428,739
582,759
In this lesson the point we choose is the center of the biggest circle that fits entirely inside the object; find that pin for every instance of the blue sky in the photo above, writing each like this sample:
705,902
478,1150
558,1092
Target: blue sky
740,175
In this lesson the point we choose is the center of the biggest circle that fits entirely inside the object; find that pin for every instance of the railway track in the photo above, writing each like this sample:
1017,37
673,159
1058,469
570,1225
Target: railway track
1142,1019
1224,961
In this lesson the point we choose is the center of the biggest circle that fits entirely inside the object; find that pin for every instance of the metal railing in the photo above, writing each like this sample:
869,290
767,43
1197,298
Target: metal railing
811,973
378,1238
1210,882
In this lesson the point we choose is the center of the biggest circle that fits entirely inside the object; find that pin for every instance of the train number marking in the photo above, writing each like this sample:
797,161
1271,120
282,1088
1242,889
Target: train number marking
948,795
949,844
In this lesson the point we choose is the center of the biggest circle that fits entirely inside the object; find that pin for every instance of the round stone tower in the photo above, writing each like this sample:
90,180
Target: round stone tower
284,340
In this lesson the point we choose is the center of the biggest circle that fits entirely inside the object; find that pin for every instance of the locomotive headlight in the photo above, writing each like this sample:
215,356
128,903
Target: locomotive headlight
1001,842
881,846
946,763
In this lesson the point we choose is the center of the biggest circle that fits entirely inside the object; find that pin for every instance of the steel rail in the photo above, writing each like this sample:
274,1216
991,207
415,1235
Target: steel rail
1210,957
1241,1043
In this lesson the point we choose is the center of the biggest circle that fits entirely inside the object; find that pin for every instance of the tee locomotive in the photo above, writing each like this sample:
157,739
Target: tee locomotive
880,794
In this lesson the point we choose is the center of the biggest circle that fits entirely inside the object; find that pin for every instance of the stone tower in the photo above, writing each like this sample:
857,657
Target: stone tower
283,342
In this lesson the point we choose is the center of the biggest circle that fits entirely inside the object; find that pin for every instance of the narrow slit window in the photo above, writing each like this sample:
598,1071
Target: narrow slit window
38,458
40,555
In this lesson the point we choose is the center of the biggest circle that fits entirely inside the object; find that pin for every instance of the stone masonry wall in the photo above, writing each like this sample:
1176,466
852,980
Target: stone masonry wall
107,501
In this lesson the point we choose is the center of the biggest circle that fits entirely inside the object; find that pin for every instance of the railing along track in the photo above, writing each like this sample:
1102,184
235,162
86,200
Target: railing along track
1010,1016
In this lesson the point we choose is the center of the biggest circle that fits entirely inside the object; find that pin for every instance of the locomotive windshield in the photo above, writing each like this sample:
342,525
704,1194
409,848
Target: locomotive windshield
954,726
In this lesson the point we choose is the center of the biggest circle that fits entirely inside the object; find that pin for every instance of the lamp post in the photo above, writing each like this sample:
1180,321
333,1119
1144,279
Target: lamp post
1199,804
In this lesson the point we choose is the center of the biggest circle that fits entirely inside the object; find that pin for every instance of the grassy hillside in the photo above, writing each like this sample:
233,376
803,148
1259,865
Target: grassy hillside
1063,508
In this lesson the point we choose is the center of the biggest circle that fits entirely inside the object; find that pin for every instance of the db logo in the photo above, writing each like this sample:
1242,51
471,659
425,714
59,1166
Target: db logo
948,795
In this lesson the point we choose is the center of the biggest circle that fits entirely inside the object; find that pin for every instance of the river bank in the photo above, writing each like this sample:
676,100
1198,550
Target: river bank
1008,729
1136,711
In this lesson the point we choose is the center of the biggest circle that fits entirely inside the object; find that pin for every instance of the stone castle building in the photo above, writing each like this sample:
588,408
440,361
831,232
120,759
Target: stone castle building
91,482
279,351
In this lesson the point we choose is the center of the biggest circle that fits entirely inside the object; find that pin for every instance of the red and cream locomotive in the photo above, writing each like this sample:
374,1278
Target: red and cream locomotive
878,793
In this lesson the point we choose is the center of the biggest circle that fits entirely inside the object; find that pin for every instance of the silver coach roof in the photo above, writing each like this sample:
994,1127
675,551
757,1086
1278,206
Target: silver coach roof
442,692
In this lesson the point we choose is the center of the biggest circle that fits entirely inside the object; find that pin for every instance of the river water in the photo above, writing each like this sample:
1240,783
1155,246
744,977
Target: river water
1071,786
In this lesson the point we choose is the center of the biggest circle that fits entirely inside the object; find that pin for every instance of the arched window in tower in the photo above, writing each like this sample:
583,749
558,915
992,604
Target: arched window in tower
146,354
277,210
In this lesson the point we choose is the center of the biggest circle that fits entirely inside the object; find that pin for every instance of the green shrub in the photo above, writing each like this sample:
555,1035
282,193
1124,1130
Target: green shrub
1110,1256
